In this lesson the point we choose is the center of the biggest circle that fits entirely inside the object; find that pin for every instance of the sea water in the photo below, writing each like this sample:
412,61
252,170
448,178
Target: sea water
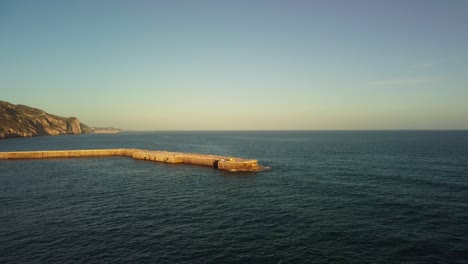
329,197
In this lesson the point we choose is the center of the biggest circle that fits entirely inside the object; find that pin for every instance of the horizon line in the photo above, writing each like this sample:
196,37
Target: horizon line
286,130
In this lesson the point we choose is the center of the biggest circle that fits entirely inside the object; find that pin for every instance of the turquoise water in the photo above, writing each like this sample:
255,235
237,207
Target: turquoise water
354,197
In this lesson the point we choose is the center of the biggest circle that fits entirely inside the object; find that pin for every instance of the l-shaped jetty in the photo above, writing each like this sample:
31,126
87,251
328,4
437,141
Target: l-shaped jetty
217,162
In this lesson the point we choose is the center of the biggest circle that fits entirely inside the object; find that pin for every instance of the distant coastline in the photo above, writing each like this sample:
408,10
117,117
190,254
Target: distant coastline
104,130
18,121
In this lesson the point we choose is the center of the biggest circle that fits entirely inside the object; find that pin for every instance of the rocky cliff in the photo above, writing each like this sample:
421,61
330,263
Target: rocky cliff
25,121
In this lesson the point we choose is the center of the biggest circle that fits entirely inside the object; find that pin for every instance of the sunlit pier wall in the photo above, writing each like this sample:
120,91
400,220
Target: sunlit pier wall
217,162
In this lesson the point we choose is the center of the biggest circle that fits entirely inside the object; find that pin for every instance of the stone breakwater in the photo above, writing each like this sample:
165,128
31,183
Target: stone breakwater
217,162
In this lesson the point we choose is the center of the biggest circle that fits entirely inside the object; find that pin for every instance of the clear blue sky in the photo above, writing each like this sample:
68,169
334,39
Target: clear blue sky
183,65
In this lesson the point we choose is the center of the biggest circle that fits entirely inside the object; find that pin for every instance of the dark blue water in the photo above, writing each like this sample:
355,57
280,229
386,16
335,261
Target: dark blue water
339,197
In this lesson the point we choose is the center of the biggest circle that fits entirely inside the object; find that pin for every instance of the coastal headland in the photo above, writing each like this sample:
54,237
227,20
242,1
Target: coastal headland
214,161
25,121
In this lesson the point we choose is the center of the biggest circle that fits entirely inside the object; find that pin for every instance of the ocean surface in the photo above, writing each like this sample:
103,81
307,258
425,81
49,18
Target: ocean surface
329,197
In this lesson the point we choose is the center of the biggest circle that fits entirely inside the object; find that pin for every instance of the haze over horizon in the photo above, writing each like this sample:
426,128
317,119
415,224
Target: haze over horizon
239,65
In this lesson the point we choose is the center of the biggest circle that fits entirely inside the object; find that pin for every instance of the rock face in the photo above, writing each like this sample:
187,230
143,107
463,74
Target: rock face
73,126
25,121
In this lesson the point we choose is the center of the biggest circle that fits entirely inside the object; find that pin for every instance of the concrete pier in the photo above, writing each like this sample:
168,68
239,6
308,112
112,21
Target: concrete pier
217,162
